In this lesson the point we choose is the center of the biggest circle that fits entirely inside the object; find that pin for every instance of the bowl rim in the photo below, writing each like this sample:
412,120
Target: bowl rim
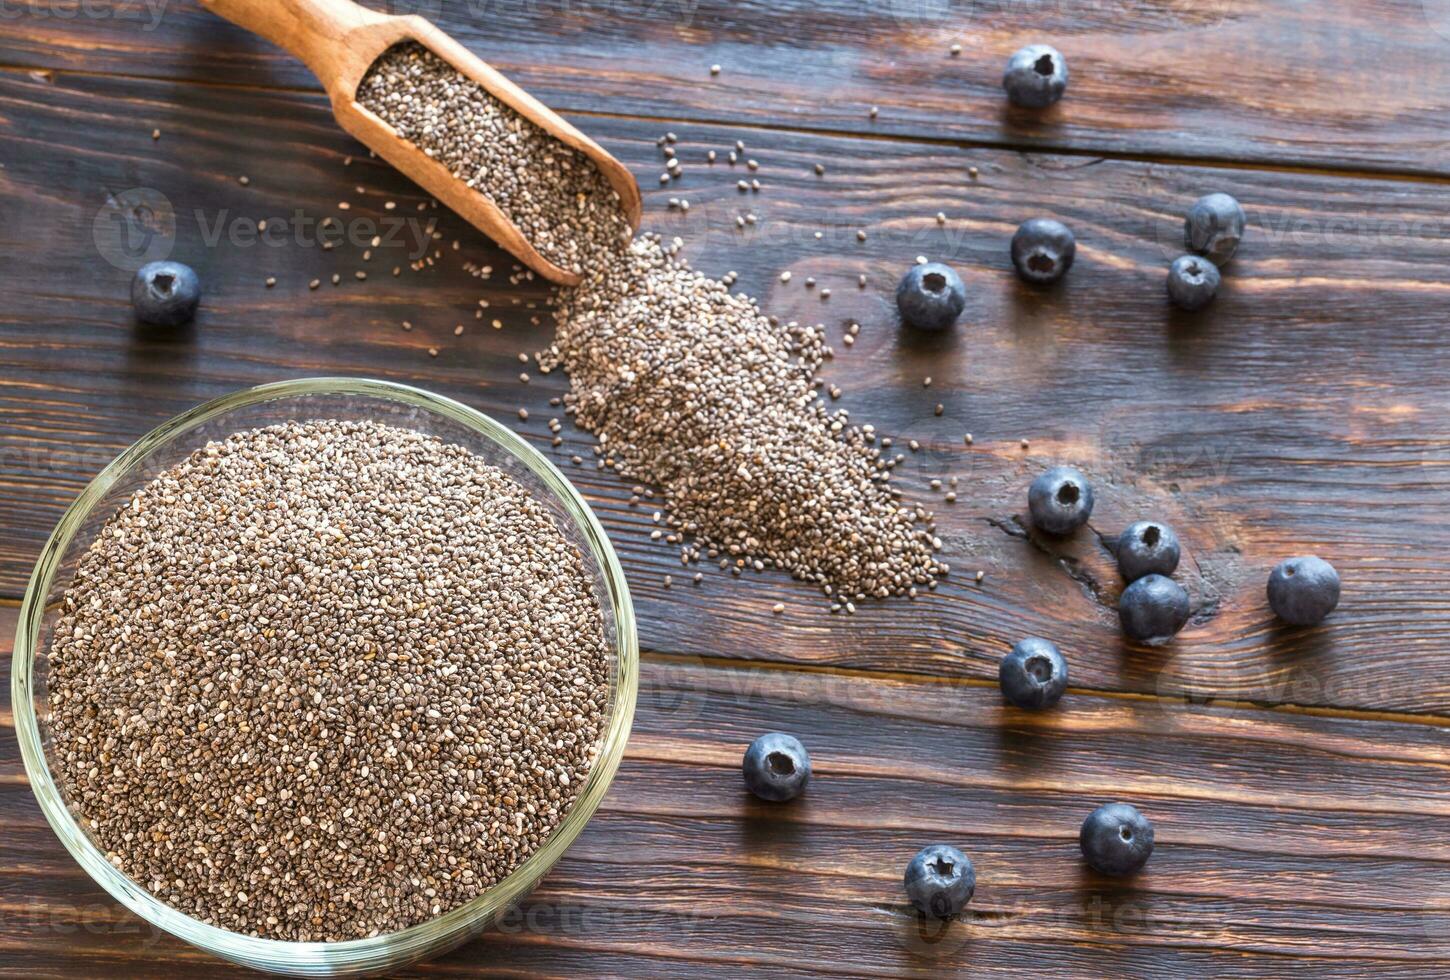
389,949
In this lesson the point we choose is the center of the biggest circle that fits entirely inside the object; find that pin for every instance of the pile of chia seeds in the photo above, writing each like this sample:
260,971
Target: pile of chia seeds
326,680
554,194
689,387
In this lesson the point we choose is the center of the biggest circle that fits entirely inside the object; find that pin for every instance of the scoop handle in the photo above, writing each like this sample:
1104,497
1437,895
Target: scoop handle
315,31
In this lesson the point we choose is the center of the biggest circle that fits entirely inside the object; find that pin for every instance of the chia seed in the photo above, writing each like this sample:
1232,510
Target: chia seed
556,196
326,680
689,386
695,391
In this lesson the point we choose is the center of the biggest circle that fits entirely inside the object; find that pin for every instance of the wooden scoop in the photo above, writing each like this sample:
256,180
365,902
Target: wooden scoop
339,41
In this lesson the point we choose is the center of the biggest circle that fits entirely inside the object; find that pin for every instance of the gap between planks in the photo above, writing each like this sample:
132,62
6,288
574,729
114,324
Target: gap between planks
1408,175
921,679
715,662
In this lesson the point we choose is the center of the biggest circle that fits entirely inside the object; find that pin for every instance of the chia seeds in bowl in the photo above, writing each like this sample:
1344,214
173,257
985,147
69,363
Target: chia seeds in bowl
338,682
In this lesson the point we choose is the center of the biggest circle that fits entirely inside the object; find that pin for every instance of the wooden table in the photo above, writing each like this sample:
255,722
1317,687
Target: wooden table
1299,779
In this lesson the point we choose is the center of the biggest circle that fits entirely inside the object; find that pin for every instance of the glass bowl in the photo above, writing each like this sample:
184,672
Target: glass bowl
339,398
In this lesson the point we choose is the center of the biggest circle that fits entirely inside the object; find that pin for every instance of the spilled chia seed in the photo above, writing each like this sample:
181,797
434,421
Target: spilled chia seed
326,680
687,386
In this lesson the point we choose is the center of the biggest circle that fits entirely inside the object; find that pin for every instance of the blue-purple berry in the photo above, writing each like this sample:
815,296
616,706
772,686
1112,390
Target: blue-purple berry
1153,609
1303,590
1147,548
165,293
1034,674
776,767
1060,500
1036,76
1214,227
1192,282
1043,250
931,296
1116,839
940,881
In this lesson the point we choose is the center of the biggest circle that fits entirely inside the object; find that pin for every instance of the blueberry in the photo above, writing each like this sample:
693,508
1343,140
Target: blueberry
940,881
1033,675
931,296
1042,250
165,293
1192,282
1060,500
1153,609
1116,839
776,767
1036,76
1214,227
1303,590
1147,548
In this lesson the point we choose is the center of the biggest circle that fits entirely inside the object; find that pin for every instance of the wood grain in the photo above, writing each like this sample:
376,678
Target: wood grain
1361,84
1302,413
1284,844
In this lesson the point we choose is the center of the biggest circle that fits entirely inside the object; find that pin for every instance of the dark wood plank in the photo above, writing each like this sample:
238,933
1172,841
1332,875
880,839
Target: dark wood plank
1303,413
1285,843
1360,84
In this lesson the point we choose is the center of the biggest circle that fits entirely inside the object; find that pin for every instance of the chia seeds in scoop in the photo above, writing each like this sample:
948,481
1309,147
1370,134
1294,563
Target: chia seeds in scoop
555,195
